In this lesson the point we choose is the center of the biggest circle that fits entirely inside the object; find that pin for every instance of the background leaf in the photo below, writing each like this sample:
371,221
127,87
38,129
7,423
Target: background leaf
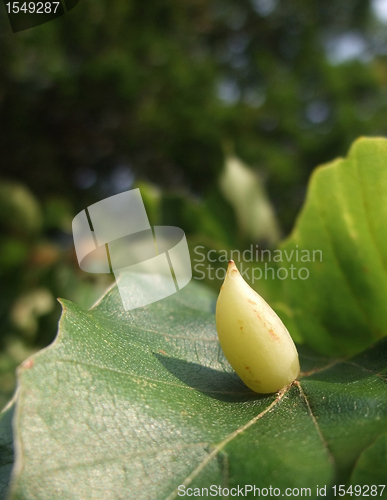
133,404
340,308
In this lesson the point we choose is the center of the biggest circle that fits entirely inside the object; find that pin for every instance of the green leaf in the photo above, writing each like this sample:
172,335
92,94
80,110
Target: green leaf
134,404
340,309
371,466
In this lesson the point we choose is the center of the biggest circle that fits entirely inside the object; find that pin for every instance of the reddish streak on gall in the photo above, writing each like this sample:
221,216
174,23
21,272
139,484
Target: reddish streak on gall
257,313
28,364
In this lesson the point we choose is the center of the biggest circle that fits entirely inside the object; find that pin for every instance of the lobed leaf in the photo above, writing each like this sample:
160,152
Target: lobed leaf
134,404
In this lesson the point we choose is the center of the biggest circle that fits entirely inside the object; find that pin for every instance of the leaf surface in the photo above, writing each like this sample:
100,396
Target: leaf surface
341,307
134,404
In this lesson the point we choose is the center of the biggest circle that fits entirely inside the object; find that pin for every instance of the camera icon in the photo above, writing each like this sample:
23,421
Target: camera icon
114,235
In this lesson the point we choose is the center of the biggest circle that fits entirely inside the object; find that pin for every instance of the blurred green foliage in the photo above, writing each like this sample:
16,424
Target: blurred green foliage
156,90
157,95
34,271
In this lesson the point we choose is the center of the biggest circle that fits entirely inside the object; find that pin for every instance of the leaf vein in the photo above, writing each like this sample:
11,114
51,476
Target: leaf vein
219,447
314,419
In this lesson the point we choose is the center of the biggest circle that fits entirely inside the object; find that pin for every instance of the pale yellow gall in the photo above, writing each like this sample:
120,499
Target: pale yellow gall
254,340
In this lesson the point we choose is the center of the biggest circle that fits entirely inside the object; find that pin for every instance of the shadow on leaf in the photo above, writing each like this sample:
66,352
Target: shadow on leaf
217,384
